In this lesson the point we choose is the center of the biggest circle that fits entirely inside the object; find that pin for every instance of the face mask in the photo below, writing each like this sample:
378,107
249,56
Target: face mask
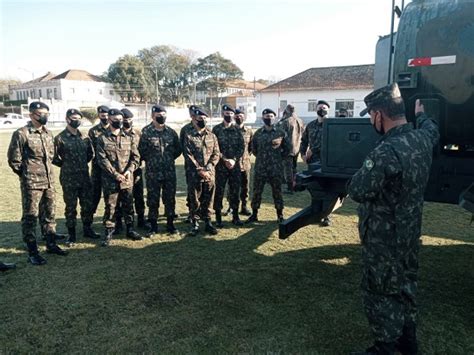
322,113
116,124
201,124
239,121
127,124
104,121
42,119
74,123
160,119
381,131
268,121
227,118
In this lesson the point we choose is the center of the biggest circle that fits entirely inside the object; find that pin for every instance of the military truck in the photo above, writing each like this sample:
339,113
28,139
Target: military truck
433,60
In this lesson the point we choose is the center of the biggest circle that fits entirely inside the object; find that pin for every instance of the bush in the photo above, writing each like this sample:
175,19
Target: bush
89,113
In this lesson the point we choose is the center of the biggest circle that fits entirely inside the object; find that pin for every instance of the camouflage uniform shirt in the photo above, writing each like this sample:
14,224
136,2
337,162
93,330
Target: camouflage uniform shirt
312,139
270,147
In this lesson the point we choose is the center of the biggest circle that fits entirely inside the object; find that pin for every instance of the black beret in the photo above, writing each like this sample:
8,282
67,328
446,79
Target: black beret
238,111
126,113
73,111
323,102
200,112
228,107
381,97
115,112
158,108
268,110
36,105
102,109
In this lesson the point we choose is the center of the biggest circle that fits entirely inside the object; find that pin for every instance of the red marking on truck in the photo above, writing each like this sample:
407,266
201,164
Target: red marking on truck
429,61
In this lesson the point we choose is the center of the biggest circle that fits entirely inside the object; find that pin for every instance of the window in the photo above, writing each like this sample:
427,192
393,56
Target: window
72,90
18,95
312,105
100,92
111,92
39,93
55,93
348,104
283,104
48,93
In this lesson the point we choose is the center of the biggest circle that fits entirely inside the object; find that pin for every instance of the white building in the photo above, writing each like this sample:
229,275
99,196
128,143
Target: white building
339,86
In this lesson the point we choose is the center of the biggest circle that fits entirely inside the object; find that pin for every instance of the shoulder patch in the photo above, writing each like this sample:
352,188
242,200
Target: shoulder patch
369,164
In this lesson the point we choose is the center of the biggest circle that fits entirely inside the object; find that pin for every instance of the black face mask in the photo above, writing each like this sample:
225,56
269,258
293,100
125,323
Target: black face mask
74,123
322,113
201,124
42,120
227,118
116,124
127,124
104,121
160,119
239,121
381,131
268,121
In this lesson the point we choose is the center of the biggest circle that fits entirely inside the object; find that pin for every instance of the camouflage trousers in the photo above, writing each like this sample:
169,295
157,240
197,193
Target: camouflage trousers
258,185
83,193
289,165
37,203
200,195
154,190
111,199
389,291
233,176
138,196
96,178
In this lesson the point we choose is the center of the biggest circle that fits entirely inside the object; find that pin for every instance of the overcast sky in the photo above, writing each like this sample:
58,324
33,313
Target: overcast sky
264,38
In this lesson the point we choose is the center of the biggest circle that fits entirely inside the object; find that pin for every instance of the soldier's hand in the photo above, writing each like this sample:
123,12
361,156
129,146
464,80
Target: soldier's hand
121,178
419,107
230,163
127,175
309,154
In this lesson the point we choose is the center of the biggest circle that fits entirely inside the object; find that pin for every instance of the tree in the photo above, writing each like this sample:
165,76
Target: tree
4,91
127,75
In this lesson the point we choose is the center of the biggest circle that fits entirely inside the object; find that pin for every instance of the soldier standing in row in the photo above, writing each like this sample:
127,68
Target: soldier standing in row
270,146
30,156
246,164
159,147
390,187
73,153
231,147
201,154
311,141
118,157
94,133
293,126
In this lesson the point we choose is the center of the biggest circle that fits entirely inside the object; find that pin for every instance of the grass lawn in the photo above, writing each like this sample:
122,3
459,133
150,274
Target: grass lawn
242,291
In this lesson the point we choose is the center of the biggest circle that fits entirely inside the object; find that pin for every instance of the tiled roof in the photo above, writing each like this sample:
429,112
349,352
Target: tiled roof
75,74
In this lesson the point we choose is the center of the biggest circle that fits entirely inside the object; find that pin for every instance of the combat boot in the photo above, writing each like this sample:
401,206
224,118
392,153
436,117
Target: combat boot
326,221
209,228
219,219
236,219
194,228
118,226
153,228
33,254
407,343
109,232
244,211
379,348
280,215
88,232
170,228
6,266
189,219
253,217
52,247
132,234
71,239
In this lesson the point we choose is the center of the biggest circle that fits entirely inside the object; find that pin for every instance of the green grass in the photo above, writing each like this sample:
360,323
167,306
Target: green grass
243,291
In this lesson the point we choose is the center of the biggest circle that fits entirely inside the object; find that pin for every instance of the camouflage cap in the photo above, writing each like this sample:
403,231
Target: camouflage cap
381,97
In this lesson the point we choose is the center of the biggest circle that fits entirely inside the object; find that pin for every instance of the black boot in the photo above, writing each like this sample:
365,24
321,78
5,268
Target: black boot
209,228
71,239
379,348
189,219
52,247
33,254
244,211
132,234
280,215
326,221
253,217
153,228
236,219
6,266
89,232
109,232
407,343
118,226
219,219
170,228
194,228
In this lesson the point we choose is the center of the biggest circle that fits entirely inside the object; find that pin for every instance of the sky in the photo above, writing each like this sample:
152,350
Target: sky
266,39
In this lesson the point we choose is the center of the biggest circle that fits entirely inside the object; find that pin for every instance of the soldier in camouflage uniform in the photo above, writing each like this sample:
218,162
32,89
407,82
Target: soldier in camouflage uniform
270,147
72,154
311,141
390,188
94,133
246,164
201,154
231,147
30,156
117,156
159,147
293,126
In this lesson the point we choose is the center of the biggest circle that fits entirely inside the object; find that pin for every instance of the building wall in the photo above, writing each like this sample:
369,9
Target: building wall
304,101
